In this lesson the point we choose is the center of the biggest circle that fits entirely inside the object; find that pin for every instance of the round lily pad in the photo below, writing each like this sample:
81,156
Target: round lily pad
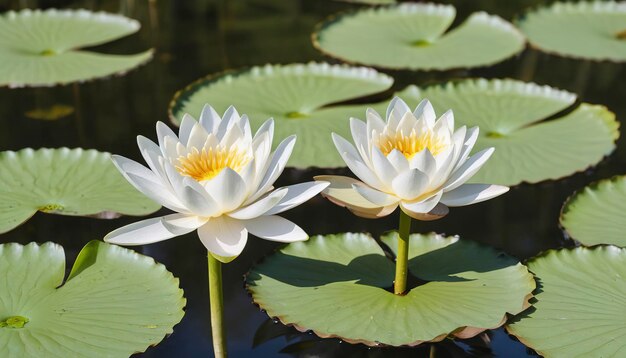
335,285
512,118
597,214
67,182
114,303
42,47
413,36
579,309
299,97
594,30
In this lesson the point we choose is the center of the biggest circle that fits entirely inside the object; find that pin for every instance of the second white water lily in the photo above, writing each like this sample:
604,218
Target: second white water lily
410,160
219,179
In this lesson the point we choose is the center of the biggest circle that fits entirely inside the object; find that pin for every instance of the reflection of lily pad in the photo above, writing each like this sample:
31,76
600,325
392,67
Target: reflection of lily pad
64,181
589,30
413,36
52,113
297,96
115,302
597,214
334,285
510,113
580,309
40,47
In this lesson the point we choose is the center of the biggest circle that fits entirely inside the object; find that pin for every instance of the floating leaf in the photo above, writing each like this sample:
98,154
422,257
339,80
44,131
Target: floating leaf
52,113
297,96
40,47
597,214
413,36
334,286
580,304
511,116
114,303
64,181
588,30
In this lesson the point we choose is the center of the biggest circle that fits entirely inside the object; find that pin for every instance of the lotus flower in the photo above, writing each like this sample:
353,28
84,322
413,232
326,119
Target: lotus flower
411,161
218,178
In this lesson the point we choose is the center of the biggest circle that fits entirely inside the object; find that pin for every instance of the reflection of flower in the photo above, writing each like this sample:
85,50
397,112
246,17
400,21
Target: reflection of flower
219,179
412,161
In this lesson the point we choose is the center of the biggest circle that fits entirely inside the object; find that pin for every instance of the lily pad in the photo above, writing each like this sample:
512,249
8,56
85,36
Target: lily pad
335,286
67,182
511,116
52,113
41,47
594,30
597,214
114,303
580,309
413,36
298,96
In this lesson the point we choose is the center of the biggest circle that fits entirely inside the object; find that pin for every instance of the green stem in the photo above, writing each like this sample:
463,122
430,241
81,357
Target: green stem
402,257
217,307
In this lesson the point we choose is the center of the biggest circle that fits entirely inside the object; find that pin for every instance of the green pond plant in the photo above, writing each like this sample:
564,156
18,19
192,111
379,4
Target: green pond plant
76,182
114,302
218,178
42,47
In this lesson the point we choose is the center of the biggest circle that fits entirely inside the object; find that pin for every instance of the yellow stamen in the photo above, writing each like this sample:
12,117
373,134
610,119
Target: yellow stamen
210,162
411,144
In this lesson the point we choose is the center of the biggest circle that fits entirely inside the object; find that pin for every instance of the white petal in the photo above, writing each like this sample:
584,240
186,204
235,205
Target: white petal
426,112
275,167
230,117
298,194
228,189
260,206
343,146
151,154
468,194
374,122
186,125
445,123
360,136
266,127
164,131
375,196
470,139
209,118
468,169
422,206
223,236
275,228
383,168
154,230
395,111
244,125
410,184
197,137
424,162
363,172
196,199
398,160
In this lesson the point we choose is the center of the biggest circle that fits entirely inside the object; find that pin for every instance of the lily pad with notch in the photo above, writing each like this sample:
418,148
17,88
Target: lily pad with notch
65,181
415,36
299,97
534,139
114,302
579,309
42,47
335,285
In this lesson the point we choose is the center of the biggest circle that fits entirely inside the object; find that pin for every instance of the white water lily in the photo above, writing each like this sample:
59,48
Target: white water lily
218,178
411,161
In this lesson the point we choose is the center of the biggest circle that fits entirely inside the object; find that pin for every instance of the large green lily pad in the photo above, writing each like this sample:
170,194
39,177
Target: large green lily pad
597,214
335,286
511,116
67,182
594,30
298,96
413,36
115,302
580,309
41,47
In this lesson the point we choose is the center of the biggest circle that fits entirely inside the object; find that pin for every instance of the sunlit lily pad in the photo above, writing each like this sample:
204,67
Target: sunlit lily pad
511,116
413,36
335,286
41,47
298,96
594,30
115,302
64,181
597,214
580,310
51,113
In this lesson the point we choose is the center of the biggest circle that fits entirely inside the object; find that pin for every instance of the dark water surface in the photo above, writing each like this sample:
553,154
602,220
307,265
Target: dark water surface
196,38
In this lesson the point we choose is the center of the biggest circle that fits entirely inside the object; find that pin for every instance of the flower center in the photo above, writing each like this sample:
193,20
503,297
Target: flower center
411,144
208,163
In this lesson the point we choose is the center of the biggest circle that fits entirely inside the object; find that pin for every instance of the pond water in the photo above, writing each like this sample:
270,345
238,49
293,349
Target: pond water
196,38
